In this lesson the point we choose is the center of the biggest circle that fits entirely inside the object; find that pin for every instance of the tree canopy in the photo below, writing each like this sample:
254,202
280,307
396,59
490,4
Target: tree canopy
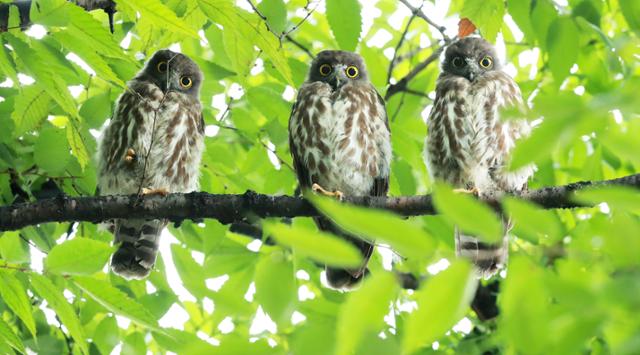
572,284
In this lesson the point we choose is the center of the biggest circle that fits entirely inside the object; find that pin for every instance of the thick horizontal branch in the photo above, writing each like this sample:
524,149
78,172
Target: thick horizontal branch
230,208
24,8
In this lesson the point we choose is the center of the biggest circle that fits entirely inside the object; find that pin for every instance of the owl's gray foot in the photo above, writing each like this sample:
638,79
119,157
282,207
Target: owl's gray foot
131,156
319,189
163,191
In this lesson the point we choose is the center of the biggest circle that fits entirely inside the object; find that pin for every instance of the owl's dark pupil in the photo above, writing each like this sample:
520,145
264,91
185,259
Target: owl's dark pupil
185,81
486,62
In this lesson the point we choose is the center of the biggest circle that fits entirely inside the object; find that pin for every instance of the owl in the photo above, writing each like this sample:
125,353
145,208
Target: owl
340,141
152,144
468,145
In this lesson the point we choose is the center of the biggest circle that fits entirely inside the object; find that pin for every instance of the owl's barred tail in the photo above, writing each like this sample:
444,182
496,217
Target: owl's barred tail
138,248
488,258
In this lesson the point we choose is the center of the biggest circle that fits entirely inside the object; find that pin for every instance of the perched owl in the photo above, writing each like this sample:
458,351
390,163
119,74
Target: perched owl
468,144
340,141
152,144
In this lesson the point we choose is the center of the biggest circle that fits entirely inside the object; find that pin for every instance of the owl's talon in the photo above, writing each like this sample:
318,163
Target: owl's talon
319,189
131,156
161,191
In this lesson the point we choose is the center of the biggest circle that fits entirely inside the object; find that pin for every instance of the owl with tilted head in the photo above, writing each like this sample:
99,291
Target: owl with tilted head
152,144
340,141
468,145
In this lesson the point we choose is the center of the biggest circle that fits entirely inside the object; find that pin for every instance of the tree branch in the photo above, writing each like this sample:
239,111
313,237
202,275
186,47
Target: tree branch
24,7
230,208
401,85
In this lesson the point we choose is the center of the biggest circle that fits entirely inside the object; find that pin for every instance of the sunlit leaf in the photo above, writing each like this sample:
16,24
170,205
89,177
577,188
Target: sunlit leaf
31,109
409,240
276,13
15,297
364,310
468,214
484,15
159,13
279,301
116,301
442,301
56,301
622,198
563,45
10,338
346,22
321,247
78,256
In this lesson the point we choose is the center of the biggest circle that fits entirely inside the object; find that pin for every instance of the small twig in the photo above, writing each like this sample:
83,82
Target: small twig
299,45
393,62
401,85
421,14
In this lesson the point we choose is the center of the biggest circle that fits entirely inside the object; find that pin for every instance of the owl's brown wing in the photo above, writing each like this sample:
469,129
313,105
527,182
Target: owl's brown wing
301,171
381,184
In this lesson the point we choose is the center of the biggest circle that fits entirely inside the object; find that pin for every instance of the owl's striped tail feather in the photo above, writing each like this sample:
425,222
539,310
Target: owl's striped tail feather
346,278
138,241
487,258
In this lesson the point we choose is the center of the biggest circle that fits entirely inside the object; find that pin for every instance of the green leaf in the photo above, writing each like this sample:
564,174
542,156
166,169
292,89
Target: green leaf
7,65
563,44
51,152
276,287
32,58
161,15
10,338
116,301
364,310
13,249
276,13
542,15
408,239
622,198
106,335
242,31
15,297
631,13
442,301
486,15
56,301
346,22
31,108
520,11
78,148
78,256
469,214
96,110
321,247
532,221
524,305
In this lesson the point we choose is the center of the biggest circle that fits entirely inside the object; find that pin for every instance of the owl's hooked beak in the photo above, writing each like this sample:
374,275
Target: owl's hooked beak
338,76
473,71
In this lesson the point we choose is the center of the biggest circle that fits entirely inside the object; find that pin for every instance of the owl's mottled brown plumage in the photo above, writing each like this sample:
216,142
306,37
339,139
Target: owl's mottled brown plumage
468,144
339,138
153,141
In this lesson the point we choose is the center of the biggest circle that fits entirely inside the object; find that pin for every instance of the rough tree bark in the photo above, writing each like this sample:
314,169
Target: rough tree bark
234,208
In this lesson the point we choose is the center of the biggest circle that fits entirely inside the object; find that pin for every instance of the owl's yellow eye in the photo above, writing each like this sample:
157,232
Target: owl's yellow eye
162,67
186,82
325,69
351,71
486,62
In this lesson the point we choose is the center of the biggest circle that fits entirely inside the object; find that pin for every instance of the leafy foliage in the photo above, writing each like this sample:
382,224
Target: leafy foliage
573,277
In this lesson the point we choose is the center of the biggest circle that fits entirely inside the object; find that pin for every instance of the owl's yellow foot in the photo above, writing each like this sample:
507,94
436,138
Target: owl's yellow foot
131,156
473,191
319,189
161,191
